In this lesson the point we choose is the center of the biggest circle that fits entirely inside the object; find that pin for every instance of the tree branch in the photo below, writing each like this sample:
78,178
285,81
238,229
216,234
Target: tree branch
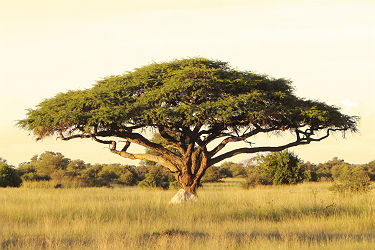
299,141
150,157
171,140
238,138
130,137
141,140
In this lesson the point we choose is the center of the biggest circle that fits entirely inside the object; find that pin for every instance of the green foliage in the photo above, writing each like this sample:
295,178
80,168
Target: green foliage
310,171
212,174
8,176
288,167
183,93
44,167
259,174
190,103
350,179
276,168
231,169
370,169
53,169
324,170
158,177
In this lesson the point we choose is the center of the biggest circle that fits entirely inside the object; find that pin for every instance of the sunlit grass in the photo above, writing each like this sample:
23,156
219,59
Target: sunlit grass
306,216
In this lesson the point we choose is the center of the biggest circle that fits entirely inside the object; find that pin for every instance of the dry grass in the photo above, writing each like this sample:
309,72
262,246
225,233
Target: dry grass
306,216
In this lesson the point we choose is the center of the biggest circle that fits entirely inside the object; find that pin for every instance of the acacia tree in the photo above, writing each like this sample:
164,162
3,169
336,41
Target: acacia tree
198,106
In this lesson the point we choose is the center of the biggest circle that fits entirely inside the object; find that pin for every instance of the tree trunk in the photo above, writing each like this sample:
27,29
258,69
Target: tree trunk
188,183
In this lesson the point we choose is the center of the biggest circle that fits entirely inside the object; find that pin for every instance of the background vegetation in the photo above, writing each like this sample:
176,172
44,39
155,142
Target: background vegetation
53,170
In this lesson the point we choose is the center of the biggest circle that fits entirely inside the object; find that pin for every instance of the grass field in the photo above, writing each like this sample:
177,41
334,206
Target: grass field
306,216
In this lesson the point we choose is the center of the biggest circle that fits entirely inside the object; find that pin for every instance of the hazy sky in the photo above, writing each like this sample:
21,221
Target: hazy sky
327,48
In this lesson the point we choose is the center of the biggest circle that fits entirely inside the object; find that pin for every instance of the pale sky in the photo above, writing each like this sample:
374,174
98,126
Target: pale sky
327,48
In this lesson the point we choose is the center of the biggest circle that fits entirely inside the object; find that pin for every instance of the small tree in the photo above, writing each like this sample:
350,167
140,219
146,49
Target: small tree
198,105
8,176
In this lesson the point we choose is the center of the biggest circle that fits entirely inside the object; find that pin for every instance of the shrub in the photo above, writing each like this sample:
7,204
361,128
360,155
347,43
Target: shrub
157,177
350,179
212,174
275,168
8,176
231,169
259,175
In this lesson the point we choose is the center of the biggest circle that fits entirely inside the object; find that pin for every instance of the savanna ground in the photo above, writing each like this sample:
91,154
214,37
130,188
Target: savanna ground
305,216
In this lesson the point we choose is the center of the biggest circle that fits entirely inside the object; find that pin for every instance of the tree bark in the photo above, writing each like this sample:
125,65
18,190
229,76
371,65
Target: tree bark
188,183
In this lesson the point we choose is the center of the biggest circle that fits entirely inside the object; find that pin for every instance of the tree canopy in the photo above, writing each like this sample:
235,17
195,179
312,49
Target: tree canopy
197,105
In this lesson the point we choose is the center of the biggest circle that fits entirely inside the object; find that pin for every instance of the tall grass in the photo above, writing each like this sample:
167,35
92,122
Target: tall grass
306,216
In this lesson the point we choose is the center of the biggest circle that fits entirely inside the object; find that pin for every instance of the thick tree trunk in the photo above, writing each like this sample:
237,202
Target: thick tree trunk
191,174
188,183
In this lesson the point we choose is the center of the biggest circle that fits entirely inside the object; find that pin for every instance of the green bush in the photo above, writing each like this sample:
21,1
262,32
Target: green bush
275,168
158,177
8,176
350,179
259,175
231,169
212,174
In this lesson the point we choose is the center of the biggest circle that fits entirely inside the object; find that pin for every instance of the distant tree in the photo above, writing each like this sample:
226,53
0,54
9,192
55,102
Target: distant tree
212,175
311,170
198,105
288,167
258,174
76,167
46,166
324,170
232,169
91,176
370,168
56,167
119,174
350,179
8,176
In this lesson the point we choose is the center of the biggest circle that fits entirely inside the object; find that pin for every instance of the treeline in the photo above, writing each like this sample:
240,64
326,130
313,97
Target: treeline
286,168
51,169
